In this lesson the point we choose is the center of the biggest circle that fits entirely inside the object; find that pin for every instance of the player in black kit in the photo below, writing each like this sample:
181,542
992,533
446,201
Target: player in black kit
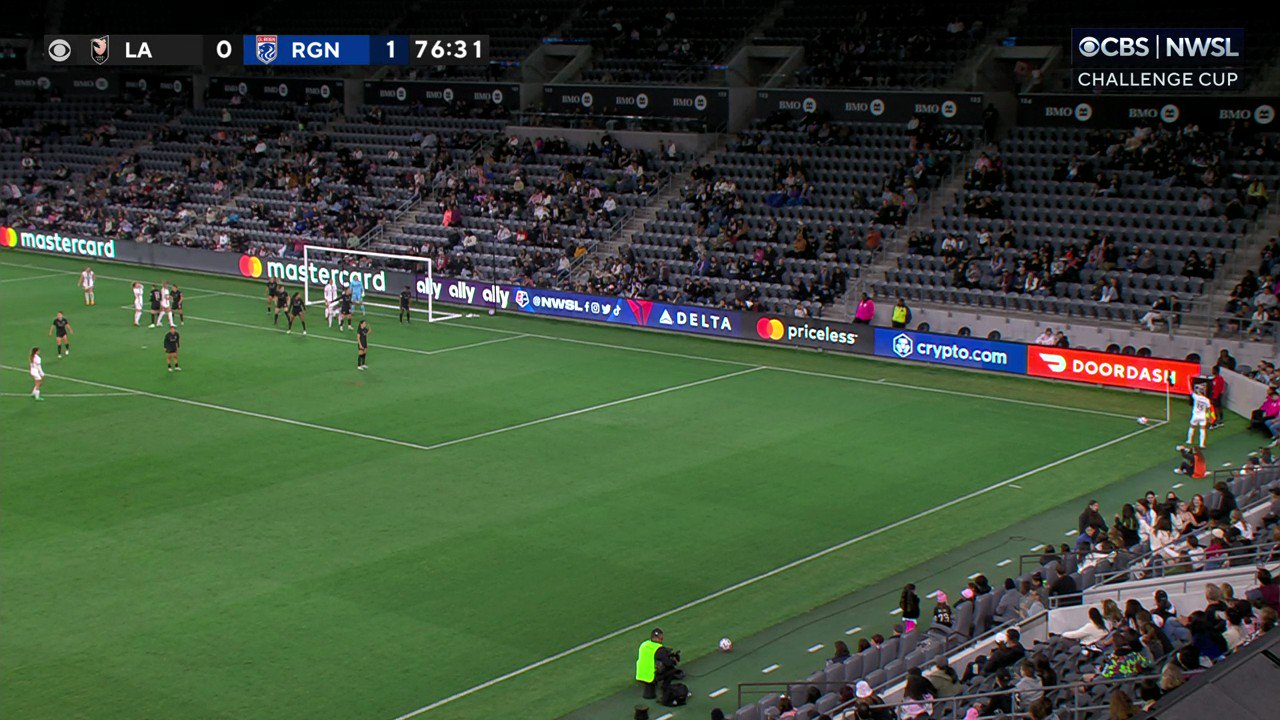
176,295
296,312
282,303
362,339
273,289
155,304
404,304
61,330
171,343
344,308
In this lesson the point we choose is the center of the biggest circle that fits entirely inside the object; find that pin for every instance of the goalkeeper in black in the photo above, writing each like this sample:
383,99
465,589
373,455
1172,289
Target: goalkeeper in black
405,297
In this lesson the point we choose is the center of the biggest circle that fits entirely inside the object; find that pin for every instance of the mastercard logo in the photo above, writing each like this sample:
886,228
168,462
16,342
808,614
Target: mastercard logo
8,237
250,266
770,329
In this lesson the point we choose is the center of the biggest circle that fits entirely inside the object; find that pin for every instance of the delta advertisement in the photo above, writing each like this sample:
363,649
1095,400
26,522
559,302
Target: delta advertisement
659,101
968,352
299,90
896,107
1125,111
439,94
1081,366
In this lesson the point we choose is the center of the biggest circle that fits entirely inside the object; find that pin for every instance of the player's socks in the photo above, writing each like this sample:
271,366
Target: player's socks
1201,437
36,393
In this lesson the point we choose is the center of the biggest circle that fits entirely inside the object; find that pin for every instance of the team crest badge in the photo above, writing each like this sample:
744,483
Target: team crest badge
100,48
266,49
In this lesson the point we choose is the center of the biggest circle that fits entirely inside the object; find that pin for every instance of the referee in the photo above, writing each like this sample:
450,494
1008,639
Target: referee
362,339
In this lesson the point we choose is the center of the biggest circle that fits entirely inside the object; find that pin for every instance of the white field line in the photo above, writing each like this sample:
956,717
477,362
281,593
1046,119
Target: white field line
393,441
853,630
34,277
687,356
718,693
1004,562
771,573
68,395
771,668
352,340
816,648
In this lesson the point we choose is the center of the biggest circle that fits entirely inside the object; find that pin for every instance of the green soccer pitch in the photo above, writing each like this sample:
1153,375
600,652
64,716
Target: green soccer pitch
483,524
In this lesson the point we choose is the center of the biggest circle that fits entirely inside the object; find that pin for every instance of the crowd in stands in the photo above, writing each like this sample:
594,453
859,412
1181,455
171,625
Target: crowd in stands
1254,302
906,45
1155,646
1156,209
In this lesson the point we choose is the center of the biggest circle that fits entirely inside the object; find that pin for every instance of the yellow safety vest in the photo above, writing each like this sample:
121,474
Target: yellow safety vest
646,662
900,313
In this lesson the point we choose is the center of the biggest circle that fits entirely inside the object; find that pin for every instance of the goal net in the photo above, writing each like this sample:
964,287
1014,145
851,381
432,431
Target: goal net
344,266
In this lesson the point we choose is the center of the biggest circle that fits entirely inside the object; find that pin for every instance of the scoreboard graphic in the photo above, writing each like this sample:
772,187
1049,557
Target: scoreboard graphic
264,50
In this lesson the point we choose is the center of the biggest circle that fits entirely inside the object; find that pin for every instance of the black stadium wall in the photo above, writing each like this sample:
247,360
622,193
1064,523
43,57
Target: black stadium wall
1125,111
438,94
871,106
709,104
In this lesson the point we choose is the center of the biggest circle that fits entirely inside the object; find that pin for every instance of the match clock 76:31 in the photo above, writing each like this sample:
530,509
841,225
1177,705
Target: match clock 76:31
449,50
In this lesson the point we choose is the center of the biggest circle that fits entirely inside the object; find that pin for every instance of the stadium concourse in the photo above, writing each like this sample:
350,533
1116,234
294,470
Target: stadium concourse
929,166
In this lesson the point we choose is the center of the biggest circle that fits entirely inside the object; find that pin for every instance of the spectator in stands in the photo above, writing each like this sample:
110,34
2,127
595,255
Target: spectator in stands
909,604
1125,660
943,678
1157,314
1121,707
1007,605
1199,511
1221,502
1256,193
841,654
1046,338
941,611
1042,709
1205,636
1091,517
866,699
1029,688
1267,593
1064,588
917,697
1092,632
1008,651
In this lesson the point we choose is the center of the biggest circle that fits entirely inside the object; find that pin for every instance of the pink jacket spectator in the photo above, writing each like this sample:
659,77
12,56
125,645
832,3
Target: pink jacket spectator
867,310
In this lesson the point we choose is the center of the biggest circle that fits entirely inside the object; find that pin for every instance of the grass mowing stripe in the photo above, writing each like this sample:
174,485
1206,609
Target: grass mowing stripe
771,573
276,329
393,441
688,356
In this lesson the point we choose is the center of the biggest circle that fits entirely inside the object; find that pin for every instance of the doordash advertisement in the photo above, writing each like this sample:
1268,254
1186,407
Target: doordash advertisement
1126,371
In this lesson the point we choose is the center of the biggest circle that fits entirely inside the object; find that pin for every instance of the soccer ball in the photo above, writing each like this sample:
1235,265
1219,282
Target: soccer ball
1142,420
726,645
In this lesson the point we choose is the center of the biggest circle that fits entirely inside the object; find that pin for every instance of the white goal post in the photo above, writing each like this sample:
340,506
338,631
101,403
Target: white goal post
321,257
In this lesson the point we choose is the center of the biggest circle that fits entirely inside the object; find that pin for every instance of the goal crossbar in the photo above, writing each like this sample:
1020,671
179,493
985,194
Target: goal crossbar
315,254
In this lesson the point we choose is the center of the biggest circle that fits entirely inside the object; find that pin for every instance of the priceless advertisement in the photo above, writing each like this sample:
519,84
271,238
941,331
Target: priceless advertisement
969,352
888,106
809,332
1127,371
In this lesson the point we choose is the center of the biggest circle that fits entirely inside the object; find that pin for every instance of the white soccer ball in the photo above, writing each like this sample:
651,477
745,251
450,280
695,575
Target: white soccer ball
1142,420
726,645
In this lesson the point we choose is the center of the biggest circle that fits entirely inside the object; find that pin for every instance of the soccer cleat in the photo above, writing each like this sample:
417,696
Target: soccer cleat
39,398
170,369
178,368
304,332
151,325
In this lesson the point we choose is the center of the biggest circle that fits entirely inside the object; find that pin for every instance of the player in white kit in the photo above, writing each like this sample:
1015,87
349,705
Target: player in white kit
137,303
86,284
330,301
1201,405
37,372
166,305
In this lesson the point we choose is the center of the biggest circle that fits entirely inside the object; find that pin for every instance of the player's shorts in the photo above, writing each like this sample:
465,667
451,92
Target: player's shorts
137,306
1198,420
37,376
155,306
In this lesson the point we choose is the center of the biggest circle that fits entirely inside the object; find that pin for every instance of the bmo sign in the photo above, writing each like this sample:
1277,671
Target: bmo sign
1126,371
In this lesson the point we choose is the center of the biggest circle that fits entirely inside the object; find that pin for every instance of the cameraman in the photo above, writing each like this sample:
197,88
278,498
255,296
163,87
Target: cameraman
655,664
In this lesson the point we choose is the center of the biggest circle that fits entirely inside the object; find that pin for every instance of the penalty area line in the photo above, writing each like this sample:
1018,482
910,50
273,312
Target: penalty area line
771,573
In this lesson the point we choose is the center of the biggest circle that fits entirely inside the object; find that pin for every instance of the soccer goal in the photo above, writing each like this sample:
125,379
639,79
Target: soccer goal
323,264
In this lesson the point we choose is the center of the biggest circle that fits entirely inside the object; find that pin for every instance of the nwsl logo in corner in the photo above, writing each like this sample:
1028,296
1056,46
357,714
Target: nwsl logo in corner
266,48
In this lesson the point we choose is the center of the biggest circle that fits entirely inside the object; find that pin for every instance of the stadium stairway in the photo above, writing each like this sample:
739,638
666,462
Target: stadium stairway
895,246
1244,257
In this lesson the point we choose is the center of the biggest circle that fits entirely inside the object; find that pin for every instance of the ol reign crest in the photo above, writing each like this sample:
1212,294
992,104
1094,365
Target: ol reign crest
267,49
